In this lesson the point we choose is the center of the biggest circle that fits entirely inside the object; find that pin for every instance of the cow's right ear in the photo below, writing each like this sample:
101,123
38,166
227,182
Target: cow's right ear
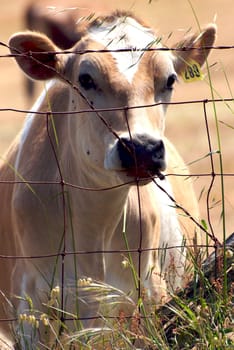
36,55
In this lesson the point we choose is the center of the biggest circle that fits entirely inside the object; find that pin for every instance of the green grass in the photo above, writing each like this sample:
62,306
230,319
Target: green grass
203,321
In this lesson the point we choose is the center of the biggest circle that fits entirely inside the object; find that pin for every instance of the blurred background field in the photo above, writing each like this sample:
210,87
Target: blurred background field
185,124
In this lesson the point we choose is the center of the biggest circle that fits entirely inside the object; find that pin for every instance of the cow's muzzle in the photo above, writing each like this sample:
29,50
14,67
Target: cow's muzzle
142,156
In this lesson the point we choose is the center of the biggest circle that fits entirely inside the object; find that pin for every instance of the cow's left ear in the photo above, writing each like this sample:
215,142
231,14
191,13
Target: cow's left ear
200,45
35,54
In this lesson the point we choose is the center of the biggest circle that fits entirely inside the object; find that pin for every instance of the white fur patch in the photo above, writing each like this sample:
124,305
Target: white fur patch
124,33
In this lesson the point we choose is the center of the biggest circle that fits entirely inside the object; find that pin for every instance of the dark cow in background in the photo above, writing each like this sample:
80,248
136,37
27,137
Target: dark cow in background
63,24
59,24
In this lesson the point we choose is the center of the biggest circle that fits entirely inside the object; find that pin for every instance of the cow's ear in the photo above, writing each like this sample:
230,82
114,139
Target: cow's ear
200,45
36,55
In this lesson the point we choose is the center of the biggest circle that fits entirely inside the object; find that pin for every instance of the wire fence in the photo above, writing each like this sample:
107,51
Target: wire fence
206,225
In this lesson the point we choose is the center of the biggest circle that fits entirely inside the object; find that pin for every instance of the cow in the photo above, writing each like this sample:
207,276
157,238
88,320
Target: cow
91,181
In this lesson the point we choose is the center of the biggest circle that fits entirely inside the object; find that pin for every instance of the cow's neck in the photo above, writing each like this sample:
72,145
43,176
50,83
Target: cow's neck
97,206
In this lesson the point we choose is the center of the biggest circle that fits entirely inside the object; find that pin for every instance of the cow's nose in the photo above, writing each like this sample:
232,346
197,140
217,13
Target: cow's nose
141,155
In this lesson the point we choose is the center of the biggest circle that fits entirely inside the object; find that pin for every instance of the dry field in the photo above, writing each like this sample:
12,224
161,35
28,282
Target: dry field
185,124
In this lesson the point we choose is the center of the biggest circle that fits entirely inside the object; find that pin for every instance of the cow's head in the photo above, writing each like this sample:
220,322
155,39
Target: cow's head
126,80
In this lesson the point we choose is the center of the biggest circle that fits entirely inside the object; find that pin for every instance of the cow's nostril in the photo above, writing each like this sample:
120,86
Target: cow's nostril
158,151
126,150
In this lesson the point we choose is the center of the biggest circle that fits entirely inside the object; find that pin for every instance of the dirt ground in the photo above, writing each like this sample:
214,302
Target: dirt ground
185,124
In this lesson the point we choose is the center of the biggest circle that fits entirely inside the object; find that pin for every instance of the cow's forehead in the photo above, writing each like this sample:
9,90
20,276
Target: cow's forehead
124,33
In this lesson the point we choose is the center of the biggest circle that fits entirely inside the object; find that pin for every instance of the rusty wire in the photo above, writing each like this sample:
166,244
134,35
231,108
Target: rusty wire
61,182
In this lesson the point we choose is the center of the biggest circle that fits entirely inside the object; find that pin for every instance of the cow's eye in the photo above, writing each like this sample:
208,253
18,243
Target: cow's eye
86,81
170,81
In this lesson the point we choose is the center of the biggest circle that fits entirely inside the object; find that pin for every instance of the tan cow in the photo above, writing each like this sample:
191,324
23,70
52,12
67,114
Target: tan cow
85,171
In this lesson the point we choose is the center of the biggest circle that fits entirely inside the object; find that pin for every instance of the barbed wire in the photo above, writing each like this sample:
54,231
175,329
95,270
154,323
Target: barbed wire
147,49
114,109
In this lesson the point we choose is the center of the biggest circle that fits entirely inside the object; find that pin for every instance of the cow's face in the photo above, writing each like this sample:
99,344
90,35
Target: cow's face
131,84
129,138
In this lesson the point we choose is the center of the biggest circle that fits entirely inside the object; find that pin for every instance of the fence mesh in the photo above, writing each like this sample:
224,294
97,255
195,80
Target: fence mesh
213,182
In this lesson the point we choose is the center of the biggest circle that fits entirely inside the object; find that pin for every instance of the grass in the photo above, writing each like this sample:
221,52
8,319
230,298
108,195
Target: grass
204,321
